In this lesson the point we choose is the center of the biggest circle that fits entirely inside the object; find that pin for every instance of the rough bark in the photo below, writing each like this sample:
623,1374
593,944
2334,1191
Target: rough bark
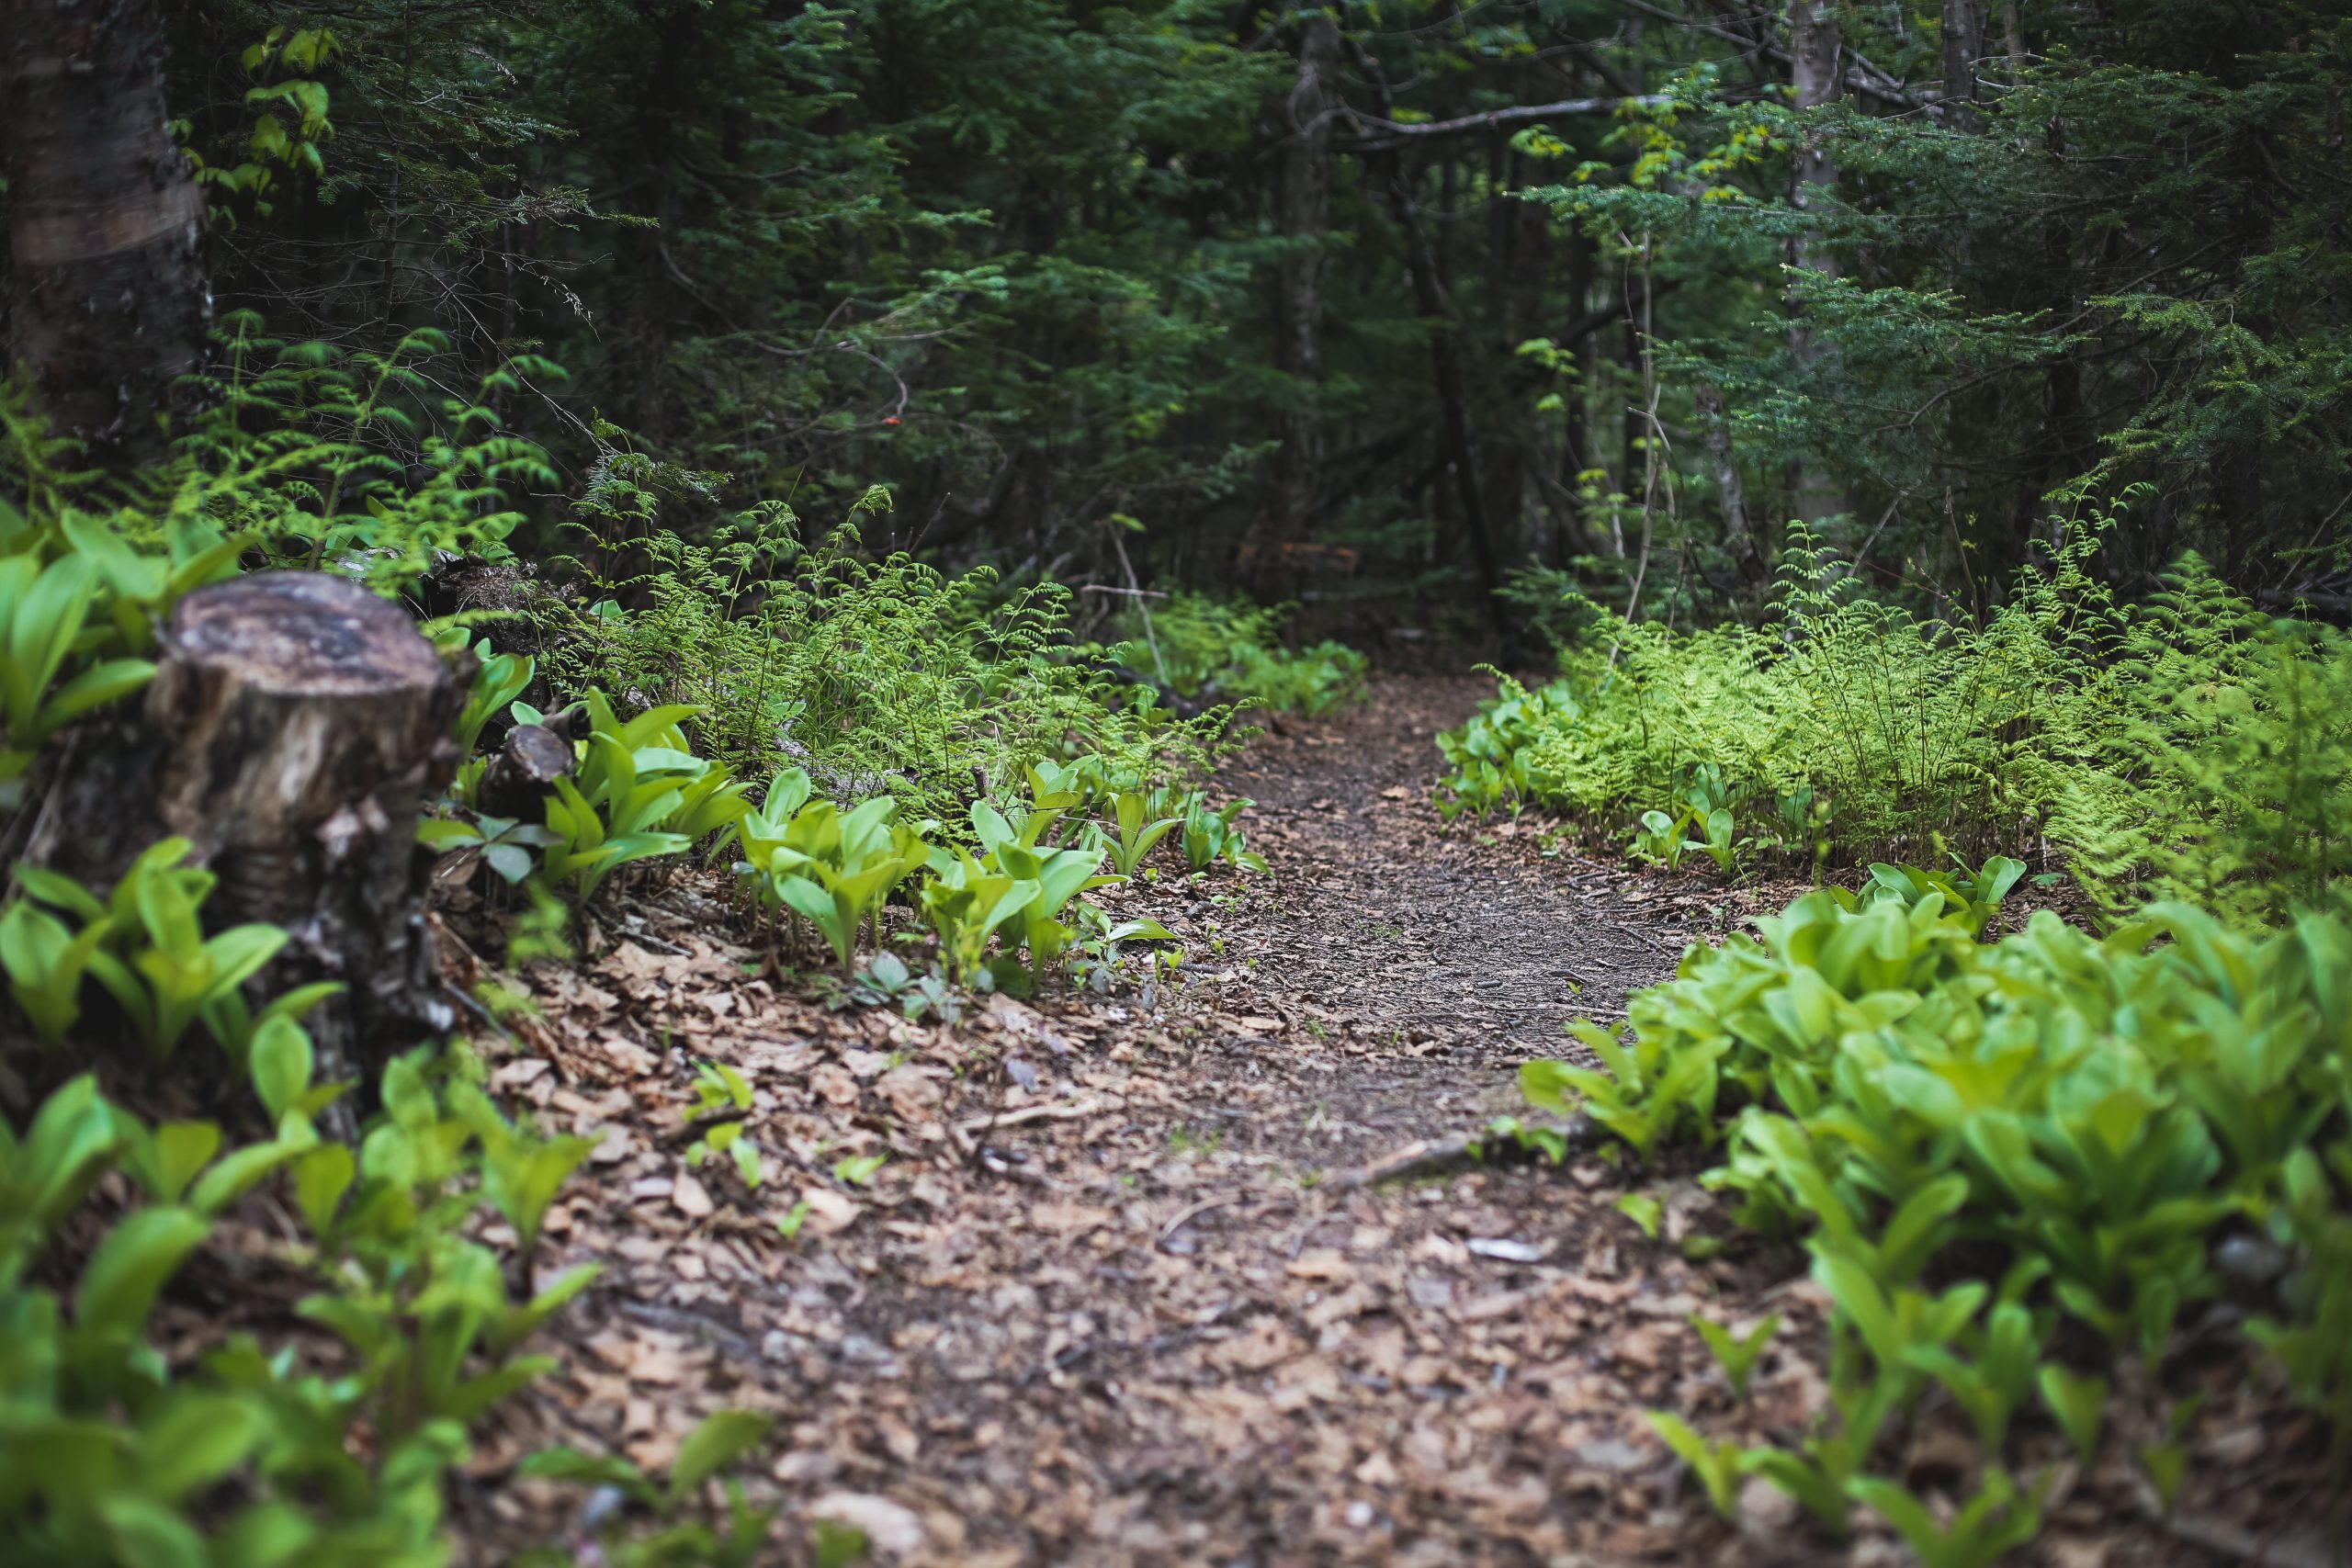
1306,122
107,304
1965,29
294,729
519,779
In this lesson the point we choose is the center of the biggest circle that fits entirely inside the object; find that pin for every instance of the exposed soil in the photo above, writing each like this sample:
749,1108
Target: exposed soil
1123,1294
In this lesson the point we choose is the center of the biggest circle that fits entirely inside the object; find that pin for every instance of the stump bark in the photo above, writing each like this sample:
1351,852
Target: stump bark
519,779
295,728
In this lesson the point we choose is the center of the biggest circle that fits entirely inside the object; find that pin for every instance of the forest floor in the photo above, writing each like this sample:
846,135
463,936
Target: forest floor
1130,1288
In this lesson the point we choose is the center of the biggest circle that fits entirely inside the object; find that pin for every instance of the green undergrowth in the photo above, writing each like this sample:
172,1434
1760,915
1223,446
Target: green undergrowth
836,728
334,1444
871,675
2024,1171
2186,745
1230,650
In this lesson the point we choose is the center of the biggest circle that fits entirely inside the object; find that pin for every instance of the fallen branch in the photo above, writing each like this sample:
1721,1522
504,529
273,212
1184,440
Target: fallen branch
1031,1114
1425,1158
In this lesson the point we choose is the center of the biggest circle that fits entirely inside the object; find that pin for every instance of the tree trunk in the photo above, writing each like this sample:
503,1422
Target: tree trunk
1816,42
107,307
1306,122
1964,27
1578,539
1739,534
1457,446
292,734
1459,451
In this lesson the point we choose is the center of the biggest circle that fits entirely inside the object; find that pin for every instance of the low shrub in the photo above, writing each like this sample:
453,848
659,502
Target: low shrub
259,1453
1230,650
2188,747
874,677
1979,1142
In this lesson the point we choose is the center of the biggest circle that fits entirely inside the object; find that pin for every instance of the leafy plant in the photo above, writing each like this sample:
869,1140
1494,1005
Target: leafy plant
1212,836
715,1446
1229,650
249,1456
1819,1472
719,1088
42,611
835,869
2089,1114
521,1172
1138,834
874,676
46,962
887,981
1718,1464
2185,747
1737,1355
966,903
145,945
416,1304
2077,1403
859,1171
504,842
640,793
1990,1387
1988,1527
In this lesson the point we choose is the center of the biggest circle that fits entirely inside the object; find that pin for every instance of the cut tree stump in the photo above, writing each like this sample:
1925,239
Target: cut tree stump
295,728
519,779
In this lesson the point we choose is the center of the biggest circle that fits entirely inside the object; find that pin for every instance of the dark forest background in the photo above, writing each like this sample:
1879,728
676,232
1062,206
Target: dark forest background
1377,307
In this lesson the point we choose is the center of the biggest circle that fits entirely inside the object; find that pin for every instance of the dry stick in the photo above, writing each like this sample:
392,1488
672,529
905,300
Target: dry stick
1136,588
1029,1113
1427,1158
1194,1211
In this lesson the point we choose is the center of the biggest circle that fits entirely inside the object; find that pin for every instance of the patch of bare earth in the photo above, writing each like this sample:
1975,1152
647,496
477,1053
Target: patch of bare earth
1114,1298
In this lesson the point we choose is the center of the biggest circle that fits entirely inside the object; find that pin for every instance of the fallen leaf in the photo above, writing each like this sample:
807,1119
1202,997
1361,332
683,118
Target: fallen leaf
910,1091
1070,1219
1323,1263
1264,1344
889,1528
691,1199
833,1086
828,1213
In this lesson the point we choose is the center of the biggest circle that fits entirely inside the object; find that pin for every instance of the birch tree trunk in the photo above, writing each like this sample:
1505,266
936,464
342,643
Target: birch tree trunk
108,305
1816,44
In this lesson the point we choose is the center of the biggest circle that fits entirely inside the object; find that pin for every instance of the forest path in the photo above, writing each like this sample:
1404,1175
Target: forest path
1123,1315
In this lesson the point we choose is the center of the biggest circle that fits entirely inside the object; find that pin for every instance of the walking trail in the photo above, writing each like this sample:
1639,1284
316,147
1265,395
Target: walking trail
1128,1290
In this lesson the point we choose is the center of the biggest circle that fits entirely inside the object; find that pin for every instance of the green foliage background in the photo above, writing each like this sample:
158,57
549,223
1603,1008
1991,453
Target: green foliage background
1016,260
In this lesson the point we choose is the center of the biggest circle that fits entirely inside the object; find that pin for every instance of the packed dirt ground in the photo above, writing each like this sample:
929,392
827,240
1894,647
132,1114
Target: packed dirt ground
1197,1271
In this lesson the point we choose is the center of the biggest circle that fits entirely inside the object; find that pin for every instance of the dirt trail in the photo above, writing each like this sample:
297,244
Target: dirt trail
1110,1301
1121,1316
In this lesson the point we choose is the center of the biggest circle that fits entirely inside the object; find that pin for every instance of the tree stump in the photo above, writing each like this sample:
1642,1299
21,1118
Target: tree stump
522,775
296,725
